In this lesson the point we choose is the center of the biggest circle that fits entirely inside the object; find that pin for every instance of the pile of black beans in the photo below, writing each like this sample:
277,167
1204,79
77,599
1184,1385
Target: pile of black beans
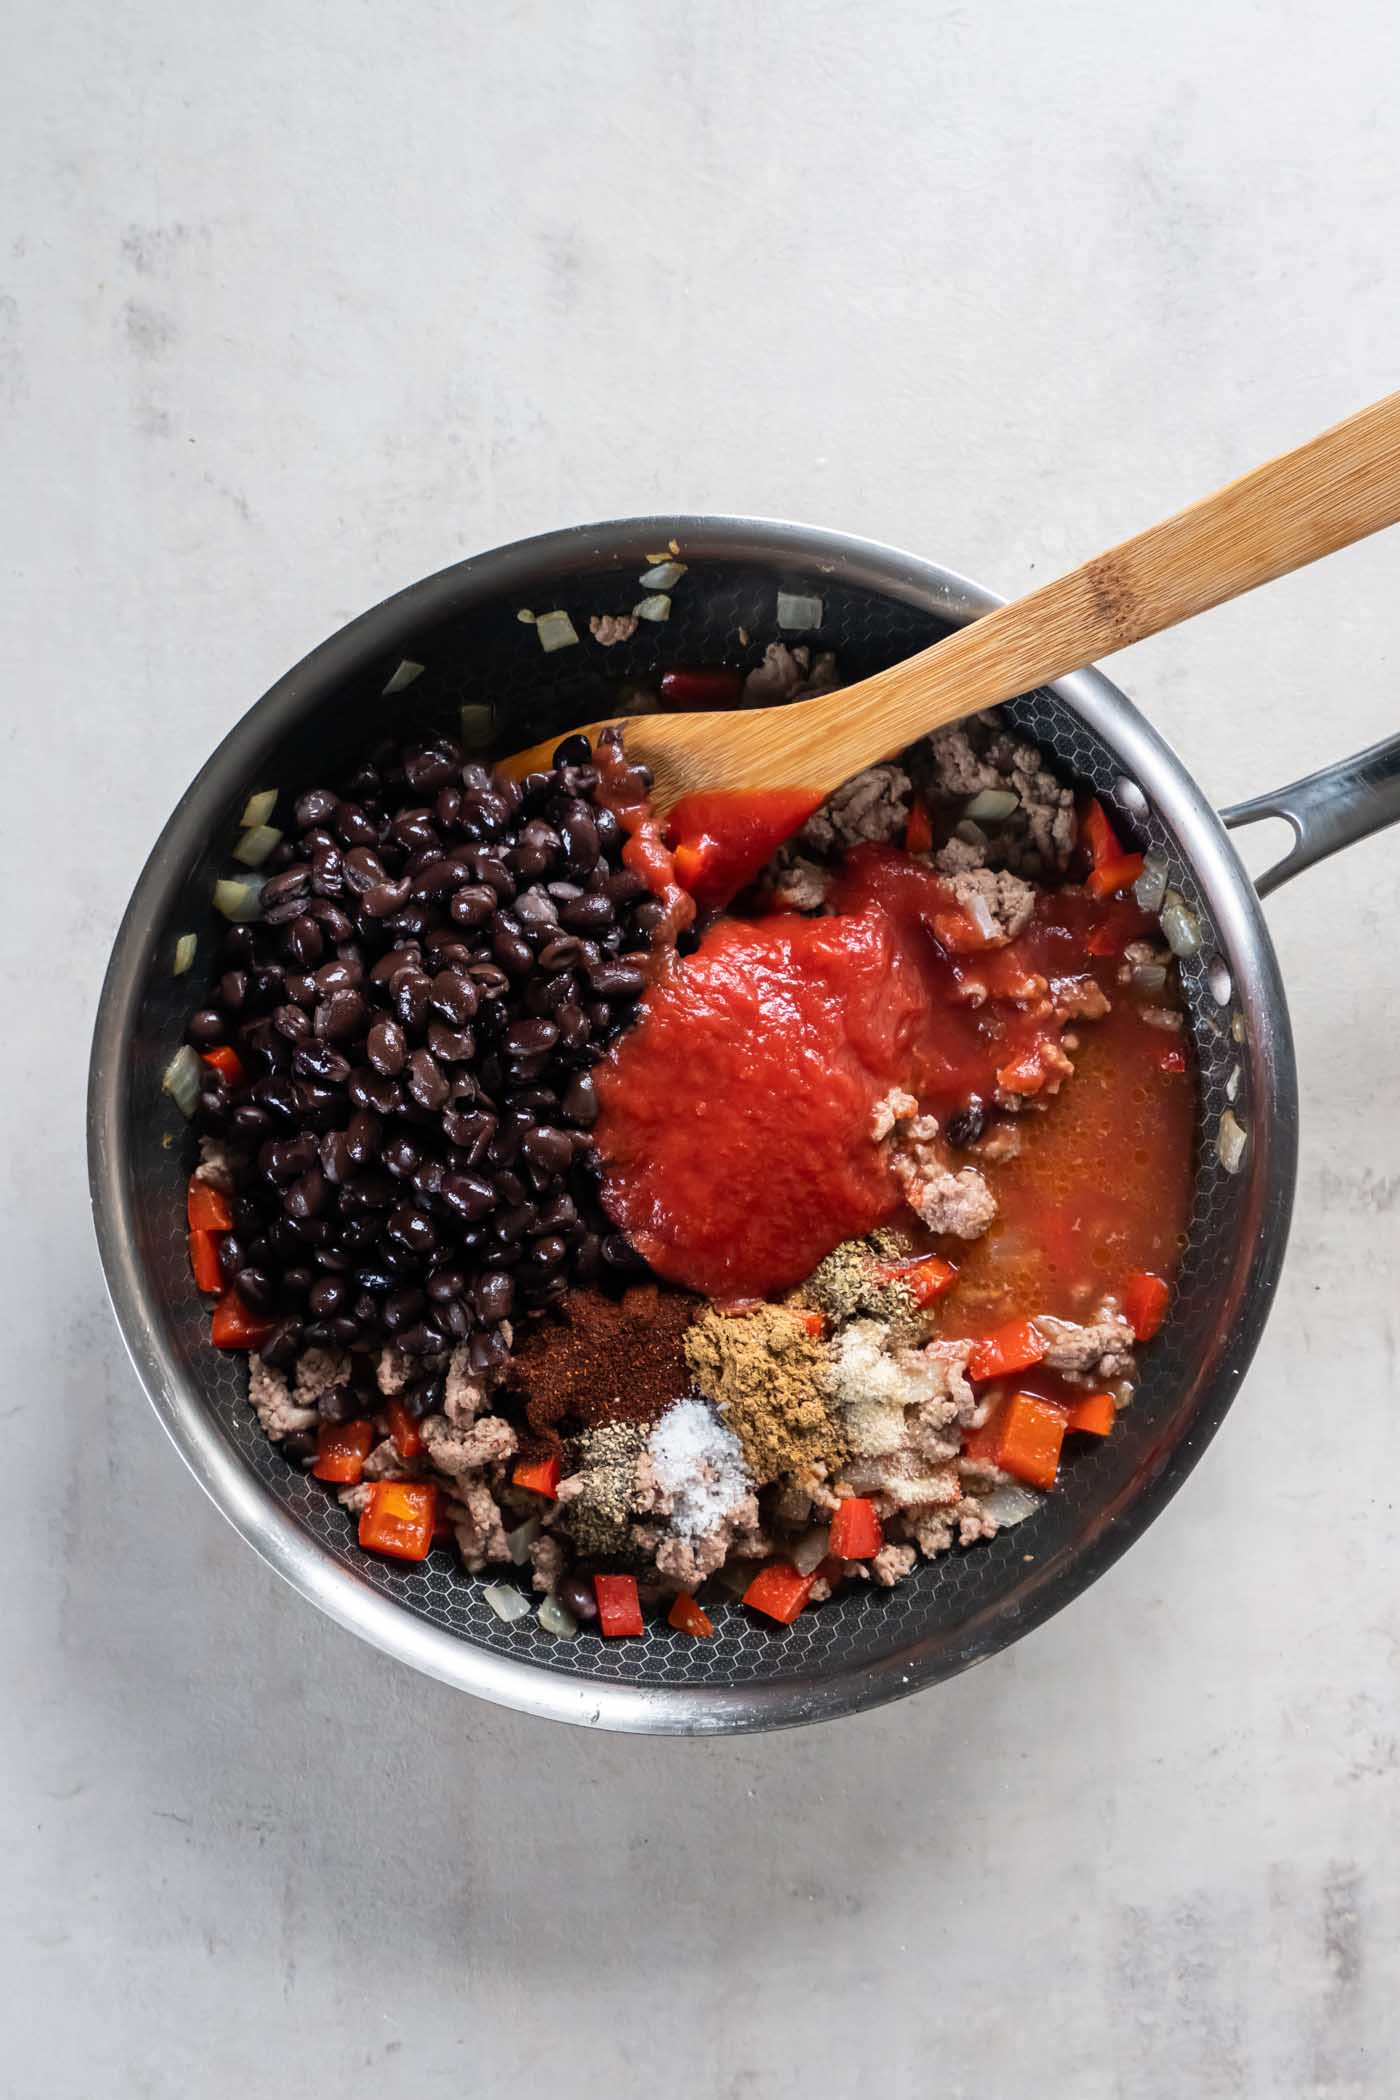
441,957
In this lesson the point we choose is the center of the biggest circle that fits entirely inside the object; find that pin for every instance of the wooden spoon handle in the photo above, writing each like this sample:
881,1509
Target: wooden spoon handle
1304,504
1337,488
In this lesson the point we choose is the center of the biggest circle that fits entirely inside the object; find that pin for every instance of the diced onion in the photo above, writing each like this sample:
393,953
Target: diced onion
184,954
980,913
664,577
1181,927
971,834
258,809
255,845
810,1551
1232,1084
657,608
1009,1504
554,1619
478,725
238,900
507,1604
556,631
1237,1028
525,616
519,1541
798,609
1150,889
182,1079
992,806
405,675
1149,977
1230,1141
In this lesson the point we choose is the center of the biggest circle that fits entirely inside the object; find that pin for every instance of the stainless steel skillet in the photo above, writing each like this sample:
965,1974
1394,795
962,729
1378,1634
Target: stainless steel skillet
877,605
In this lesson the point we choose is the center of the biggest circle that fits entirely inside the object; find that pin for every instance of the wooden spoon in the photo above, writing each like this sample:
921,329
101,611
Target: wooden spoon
1302,505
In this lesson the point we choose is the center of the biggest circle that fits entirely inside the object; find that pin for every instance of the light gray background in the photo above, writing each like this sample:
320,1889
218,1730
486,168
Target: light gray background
299,302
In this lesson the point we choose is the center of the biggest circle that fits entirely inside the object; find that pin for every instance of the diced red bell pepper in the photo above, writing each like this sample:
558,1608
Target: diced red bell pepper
779,1592
204,1260
399,1519
1099,835
918,831
1023,1436
341,1451
1111,876
540,1475
408,1439
236,1326
925,1279
619,1607
687,1617
1094,1416
691,863
813,1322
1014,1347
1145,1303
1172,1059
702,689
957,933
207,1208
227,1063
856,1530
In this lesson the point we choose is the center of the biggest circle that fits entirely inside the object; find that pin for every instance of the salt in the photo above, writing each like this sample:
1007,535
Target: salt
699,1463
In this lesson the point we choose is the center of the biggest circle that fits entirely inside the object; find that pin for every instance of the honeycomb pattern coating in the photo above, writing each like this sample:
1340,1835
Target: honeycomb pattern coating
489,658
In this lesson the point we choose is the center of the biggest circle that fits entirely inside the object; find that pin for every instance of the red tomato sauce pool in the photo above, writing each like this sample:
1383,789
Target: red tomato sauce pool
735,1116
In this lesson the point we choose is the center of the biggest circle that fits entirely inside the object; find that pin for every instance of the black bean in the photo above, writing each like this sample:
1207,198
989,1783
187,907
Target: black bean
282,1344
620,1254
283,1159
330,918
490,980
328,1295
487,1351
966,1127
307,1196
580,835
511,949
469,1130
319,1106
548,1153
368,1191
206,1028
431,767
257,1289
444,1284
387,1047
386,899
354,826
375,1278
471,1196
402,1307
451,1046
573,1026
586,914
424,1080
363,1136
412,1228
408,992
363,869
425,1396
543,1256
338,1403
313,808
473,904
293,882
427,1178
513,1224
454,996
400,1154
575,750
371,1090
577,1595
616,980
233,990
341,1016
336,1163
320,1061
299,988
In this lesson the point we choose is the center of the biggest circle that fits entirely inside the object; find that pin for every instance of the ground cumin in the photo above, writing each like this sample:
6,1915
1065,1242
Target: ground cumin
760,1367
601,1359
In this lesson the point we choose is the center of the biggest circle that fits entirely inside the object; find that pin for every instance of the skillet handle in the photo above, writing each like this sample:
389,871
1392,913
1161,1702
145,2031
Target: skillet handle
1327,810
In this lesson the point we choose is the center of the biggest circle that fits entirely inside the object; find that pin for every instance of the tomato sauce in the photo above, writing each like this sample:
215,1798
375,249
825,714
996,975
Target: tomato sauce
721,839
735,1123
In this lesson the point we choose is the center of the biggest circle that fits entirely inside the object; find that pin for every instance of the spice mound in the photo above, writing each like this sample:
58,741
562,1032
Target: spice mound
762,1367
600,1359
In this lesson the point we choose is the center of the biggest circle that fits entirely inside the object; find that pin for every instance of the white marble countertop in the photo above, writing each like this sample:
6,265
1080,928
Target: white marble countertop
298,303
